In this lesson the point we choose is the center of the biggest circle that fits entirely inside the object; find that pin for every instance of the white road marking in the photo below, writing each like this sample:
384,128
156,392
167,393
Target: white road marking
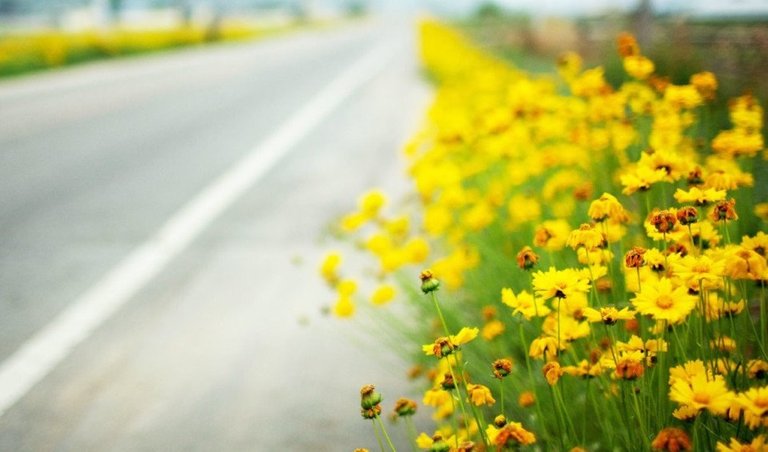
53,343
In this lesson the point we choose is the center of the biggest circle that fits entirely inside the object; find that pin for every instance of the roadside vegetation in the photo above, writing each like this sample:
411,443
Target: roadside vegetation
27,52
581,265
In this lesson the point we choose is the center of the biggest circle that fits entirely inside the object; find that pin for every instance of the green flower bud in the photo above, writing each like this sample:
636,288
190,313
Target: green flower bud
428,282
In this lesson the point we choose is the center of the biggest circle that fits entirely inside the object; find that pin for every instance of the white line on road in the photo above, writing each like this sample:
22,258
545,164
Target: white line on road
52,344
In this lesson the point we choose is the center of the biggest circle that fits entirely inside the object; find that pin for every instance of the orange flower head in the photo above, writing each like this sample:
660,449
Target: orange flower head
527,259
673,440
627,45
724,211
634,257
663,220
501,368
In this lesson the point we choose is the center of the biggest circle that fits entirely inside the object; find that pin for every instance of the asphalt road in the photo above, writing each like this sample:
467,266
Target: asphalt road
209,353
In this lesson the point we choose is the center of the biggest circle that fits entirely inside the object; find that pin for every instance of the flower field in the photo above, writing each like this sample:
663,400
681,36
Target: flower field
581,266
23,53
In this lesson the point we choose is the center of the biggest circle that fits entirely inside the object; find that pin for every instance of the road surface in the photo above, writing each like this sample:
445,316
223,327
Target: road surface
220,345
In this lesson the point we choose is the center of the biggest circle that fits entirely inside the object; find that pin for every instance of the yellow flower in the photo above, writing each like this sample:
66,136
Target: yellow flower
702,393
758,444
607,207
446,346
696,195
330,266
641,179
526,399
638,66
552,372
552,234
705,83
755,405
353,221
586,236
383,295
699,272
584,369
545,347
346,288
662,301
743,263
344,307
511,435
480,395
559,283
416,250
566,327
371,203
492,329
524,304
608,315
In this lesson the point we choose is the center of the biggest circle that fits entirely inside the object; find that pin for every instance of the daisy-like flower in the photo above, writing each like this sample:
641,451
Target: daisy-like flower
435,443
584,369
663,301
716,307
545,347
702,393
607,207
641,179
608,315
759,444
638,66
444,346
567,328
586,236
698,196
757,369
511,435
755,405
552,372
524,304
744,263
700,271
559,283
480,395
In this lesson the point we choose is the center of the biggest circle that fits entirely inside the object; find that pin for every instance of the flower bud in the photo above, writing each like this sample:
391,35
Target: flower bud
500,421
502,368
428,282
527,259
687,215
448,382
405,407
369,398
663,220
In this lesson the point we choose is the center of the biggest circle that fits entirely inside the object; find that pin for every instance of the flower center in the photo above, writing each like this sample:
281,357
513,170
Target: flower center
701,397
664,301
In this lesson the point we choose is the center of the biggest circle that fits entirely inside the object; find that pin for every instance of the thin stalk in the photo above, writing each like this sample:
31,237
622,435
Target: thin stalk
386,436
378,435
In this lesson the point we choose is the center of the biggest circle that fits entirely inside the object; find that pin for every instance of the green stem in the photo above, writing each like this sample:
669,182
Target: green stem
386,436
378,436
411,432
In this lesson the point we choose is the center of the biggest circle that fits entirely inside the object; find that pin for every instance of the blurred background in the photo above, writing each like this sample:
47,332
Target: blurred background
169,170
